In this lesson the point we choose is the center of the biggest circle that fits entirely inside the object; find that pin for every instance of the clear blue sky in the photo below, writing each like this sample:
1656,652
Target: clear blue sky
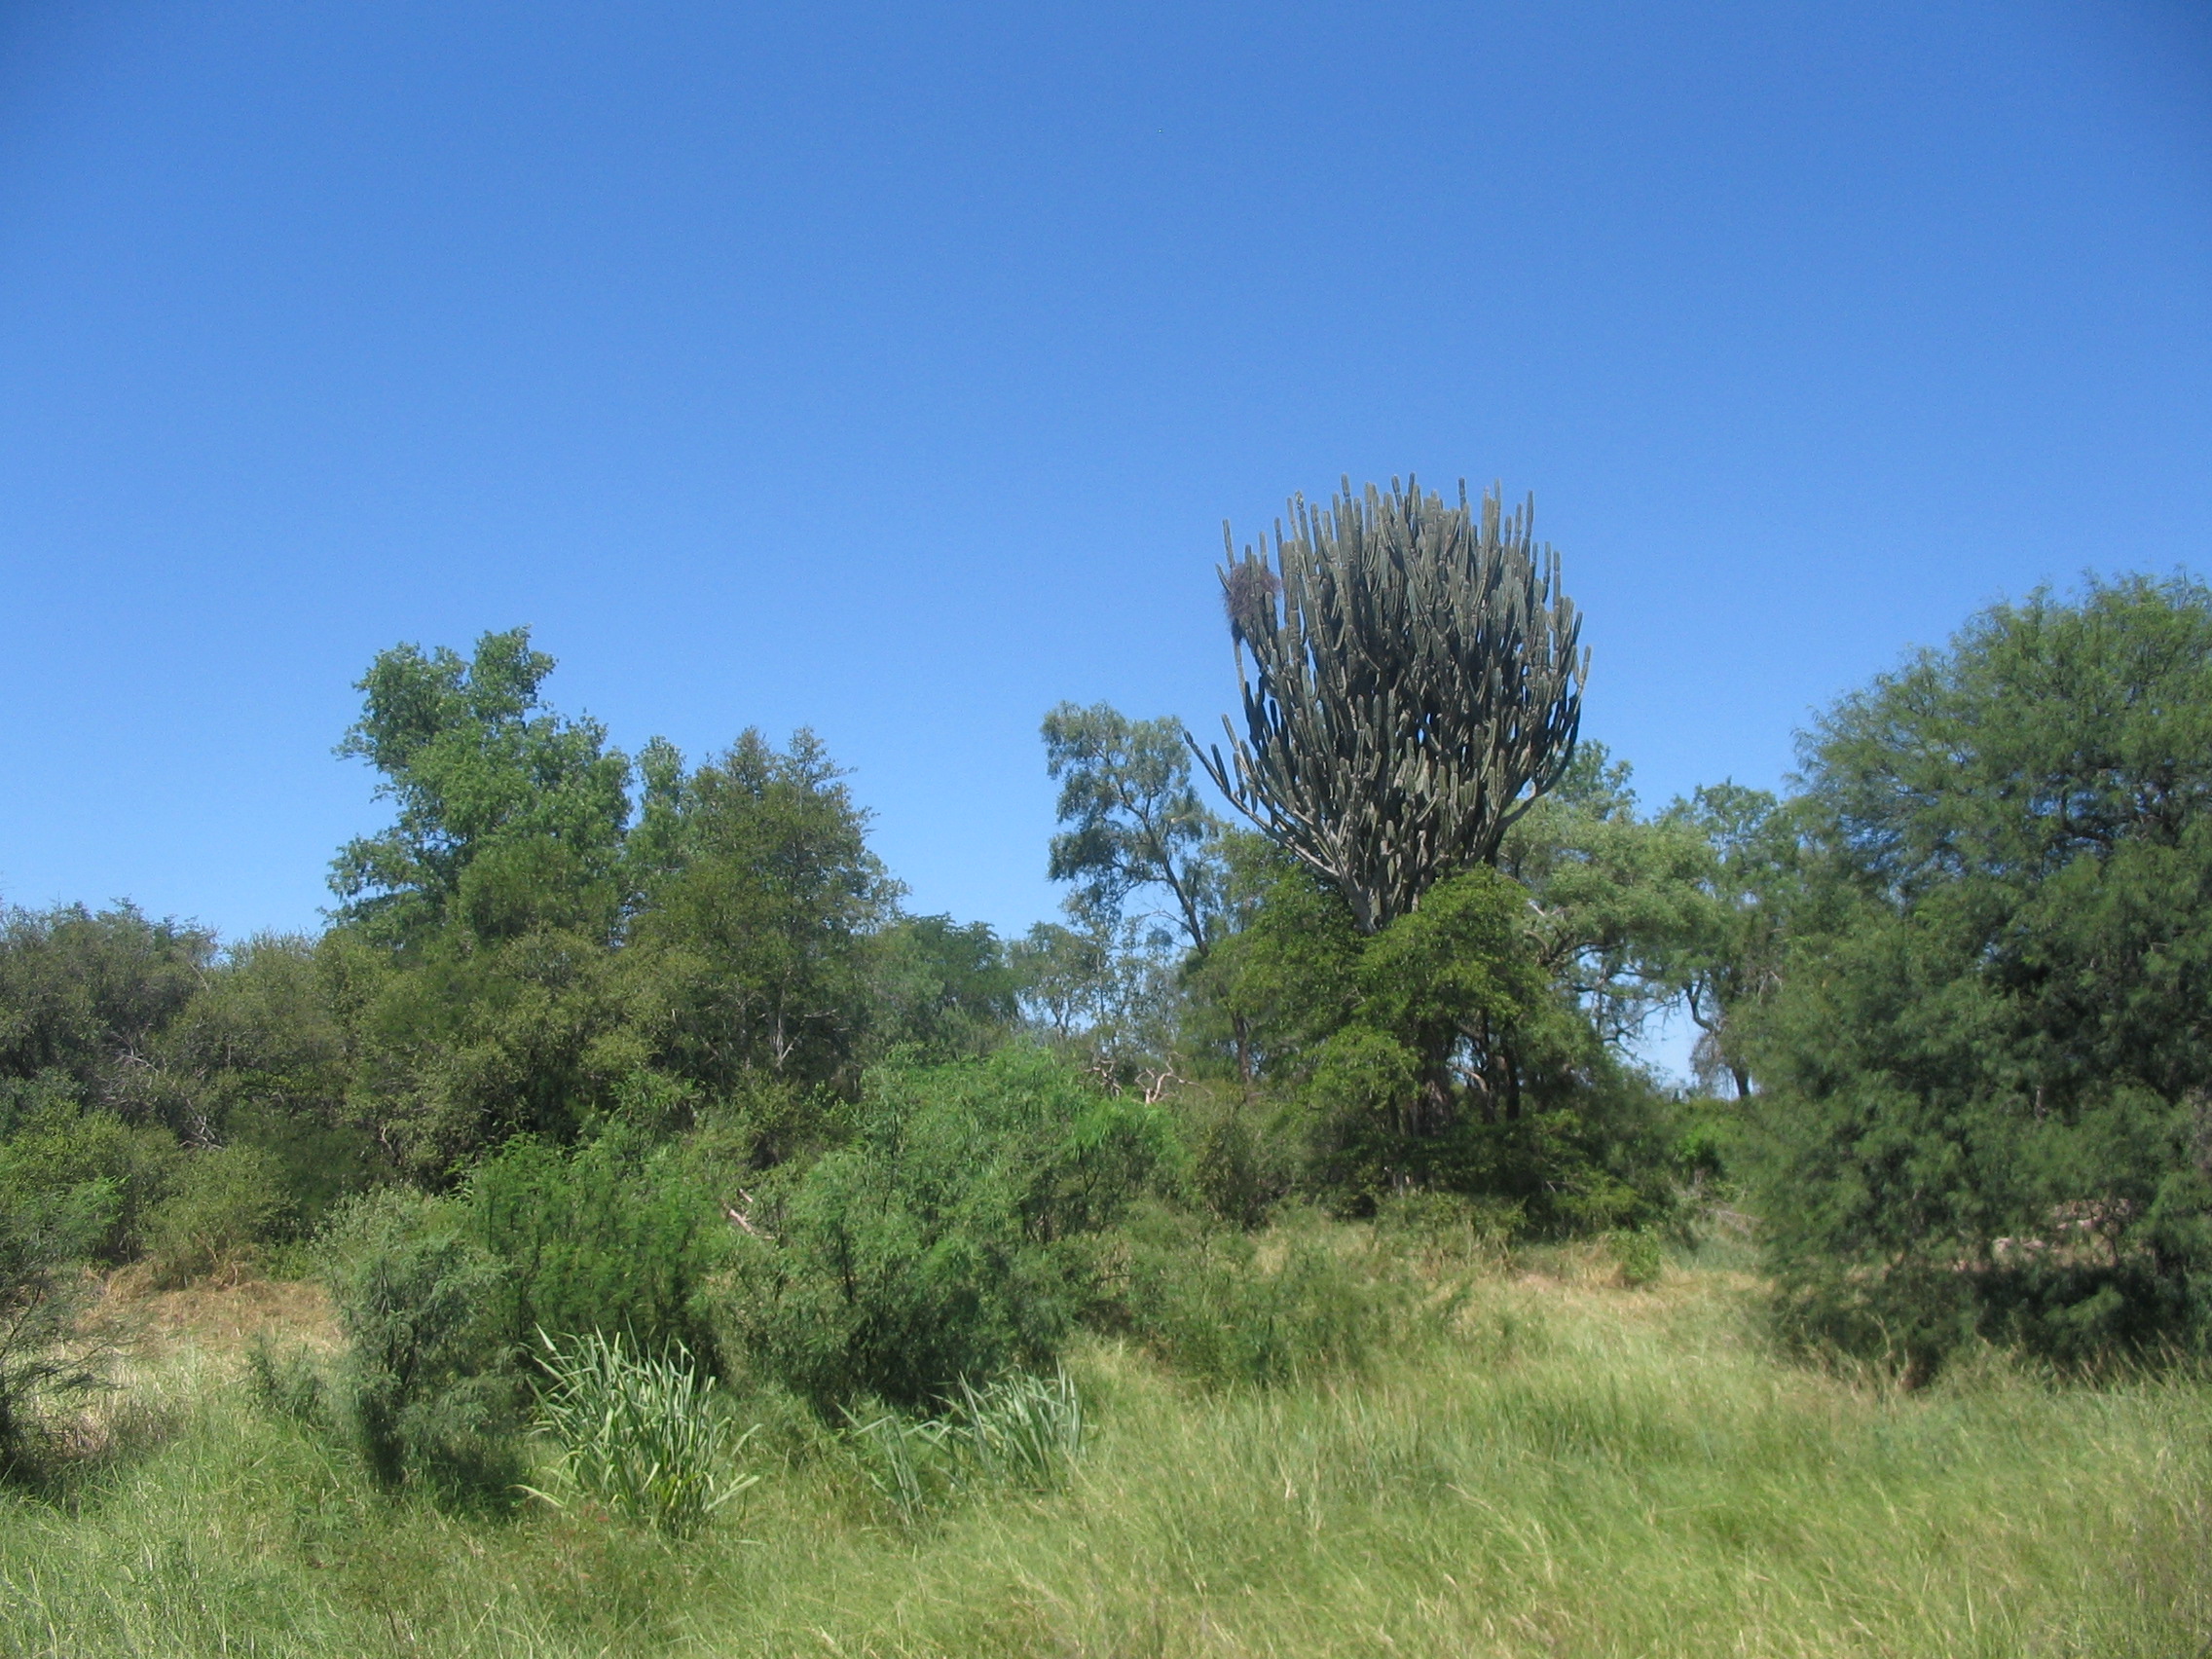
890,369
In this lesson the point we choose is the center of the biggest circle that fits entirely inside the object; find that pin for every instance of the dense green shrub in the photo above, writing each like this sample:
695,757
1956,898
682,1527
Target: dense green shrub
1986,1069
85,994
224,1204
1243,1154
428,1389
44,1239
317,1163
616,1236
1449,1228
59,1149
939,1244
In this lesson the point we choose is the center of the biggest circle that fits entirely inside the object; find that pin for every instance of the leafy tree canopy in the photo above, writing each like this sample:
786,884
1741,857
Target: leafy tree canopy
510,817
1991,1051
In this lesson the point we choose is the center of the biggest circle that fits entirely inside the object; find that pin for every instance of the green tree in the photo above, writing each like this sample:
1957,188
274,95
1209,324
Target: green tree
510,817
1989,1058
85,997
473,967
1416,683
941,990
1618,902
1732,957
1132,819
760,904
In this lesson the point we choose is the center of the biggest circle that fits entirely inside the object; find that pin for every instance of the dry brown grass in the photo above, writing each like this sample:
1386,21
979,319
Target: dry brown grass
218,1319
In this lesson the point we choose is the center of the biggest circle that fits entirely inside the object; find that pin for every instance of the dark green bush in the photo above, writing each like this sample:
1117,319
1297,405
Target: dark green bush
428,1389
317,1163
1243,1161
942,1243
1449,1228
58,1149
1986,1068
44,1239
616,1236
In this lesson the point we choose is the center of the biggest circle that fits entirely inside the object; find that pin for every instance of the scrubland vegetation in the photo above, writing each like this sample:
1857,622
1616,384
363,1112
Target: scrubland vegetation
1562,1466
627,1227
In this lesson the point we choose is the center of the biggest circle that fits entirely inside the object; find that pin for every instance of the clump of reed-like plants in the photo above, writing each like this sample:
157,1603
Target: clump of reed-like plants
1022,1431
643,1435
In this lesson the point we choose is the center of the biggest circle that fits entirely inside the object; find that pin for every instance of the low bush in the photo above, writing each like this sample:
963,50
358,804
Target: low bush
943,1242
224,1205
59,1148
1640,1256
1448,1230
429,1387
1243,1161
43,1289
618,1235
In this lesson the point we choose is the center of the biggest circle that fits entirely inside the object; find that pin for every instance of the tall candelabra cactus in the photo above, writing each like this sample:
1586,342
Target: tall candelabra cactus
1415,683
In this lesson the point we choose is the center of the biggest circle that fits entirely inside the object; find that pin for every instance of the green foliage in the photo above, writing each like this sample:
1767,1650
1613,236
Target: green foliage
643,1435
429,1387
287,1383
1020,1431
1732,957
510,817
1225,1308
1624,913
1132,819
1414,685
939,991
1437,1053
935,1245
223,1204
262,1056
85,995
613,1236
1243,1154
911,1462
1448,1230
1641,1258
44,1361
58,1149
1989,1056
759,898
459,1048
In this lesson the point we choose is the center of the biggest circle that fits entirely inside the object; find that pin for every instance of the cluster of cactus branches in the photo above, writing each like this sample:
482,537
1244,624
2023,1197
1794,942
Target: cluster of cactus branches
1415,683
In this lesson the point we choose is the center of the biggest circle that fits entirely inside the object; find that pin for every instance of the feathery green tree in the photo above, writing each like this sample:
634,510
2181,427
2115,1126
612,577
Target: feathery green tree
1988,1062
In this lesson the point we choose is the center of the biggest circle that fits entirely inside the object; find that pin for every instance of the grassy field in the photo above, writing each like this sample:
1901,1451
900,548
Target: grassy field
1576,1469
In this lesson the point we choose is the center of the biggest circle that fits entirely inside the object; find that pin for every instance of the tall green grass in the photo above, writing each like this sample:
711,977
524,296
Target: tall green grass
643,1435
1572,1469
